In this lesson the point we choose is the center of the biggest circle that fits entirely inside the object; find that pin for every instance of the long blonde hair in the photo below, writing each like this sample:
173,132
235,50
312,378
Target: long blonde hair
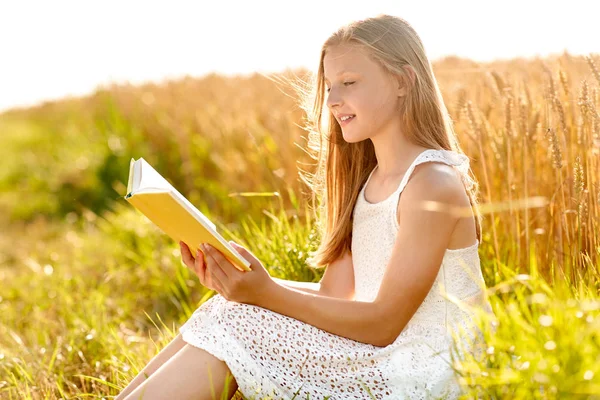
342,167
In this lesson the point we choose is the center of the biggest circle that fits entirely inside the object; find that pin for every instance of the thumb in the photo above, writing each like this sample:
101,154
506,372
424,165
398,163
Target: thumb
239,248
244,252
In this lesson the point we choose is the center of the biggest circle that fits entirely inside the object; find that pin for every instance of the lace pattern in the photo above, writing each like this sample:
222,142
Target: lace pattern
271,354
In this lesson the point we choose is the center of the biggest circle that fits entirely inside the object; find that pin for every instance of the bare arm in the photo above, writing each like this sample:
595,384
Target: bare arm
357,320
333,308
315,288
305,287
337,282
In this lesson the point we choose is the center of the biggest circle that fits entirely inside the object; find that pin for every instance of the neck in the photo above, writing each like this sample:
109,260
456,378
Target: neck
394,161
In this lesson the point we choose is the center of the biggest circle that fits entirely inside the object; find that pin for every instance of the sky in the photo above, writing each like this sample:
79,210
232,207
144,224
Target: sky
58,48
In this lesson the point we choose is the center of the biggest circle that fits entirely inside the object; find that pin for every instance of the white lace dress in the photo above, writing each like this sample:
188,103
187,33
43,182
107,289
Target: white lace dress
274,356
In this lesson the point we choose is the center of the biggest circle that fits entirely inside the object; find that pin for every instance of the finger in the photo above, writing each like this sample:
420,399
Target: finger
199,265
211,272
245,253
208,267
219,259
216,269
205,274
186,254
202,270
218,273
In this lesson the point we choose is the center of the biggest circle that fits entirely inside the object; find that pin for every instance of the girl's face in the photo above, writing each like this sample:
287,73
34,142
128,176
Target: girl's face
358,86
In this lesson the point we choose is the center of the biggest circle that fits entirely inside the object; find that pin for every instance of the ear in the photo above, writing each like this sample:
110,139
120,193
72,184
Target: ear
406,81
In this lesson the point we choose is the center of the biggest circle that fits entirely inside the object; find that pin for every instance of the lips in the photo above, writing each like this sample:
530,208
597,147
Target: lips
347,121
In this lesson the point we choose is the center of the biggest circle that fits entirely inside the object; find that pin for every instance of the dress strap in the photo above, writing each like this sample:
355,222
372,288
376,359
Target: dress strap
458,160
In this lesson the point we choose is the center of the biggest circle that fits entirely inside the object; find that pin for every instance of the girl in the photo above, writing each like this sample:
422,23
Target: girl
379,324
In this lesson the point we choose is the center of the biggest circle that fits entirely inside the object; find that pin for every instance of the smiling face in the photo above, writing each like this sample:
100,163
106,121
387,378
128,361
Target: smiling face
358,86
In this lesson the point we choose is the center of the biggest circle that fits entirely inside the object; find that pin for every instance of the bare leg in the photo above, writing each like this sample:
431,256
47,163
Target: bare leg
191,373
165,354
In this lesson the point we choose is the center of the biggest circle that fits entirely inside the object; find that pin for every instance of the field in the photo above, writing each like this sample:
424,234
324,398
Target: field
91,290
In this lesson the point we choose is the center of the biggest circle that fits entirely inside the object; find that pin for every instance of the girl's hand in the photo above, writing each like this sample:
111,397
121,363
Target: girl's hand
197,265
230,282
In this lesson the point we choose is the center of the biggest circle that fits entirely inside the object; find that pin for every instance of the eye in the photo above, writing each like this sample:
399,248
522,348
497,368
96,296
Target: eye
345,83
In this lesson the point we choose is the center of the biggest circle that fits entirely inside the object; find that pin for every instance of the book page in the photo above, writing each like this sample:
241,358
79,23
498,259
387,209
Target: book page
150,178
130,180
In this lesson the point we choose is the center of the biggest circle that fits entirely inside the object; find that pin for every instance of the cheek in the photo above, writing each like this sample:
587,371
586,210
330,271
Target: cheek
375,106
380,107
375,102
385,103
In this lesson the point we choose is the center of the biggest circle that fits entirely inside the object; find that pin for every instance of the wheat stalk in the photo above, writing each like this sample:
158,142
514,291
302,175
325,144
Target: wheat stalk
500,85
551,87
564,81
592,65
554,148
561,114
460,103
578,179
583,98
508,123
523,117
579,130
476,131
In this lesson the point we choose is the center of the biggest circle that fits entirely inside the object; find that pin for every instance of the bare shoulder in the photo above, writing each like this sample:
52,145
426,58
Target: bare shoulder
434,181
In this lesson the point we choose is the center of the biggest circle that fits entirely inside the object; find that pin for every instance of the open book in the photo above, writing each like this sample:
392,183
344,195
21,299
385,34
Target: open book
168,209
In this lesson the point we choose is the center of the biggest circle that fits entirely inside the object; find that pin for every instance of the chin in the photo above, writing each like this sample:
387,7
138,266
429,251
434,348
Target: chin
352,138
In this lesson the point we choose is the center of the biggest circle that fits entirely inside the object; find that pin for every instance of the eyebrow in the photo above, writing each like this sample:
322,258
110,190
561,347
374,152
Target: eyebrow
339,73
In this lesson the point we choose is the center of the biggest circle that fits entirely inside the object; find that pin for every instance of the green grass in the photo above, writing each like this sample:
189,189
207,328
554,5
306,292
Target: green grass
91,290
73,320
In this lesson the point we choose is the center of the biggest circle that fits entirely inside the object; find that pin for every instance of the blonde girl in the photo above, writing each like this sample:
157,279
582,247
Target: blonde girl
390,174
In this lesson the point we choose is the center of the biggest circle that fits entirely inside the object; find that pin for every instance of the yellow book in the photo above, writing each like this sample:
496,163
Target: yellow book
168,209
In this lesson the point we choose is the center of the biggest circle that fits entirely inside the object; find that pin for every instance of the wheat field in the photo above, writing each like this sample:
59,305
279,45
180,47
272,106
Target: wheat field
91,290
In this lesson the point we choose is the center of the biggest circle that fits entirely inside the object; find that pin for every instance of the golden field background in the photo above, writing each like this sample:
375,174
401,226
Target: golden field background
91,290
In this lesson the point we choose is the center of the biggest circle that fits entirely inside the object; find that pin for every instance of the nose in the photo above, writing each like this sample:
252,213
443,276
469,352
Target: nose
333,98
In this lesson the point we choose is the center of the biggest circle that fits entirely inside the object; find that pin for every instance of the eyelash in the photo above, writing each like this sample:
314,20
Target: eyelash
327,90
